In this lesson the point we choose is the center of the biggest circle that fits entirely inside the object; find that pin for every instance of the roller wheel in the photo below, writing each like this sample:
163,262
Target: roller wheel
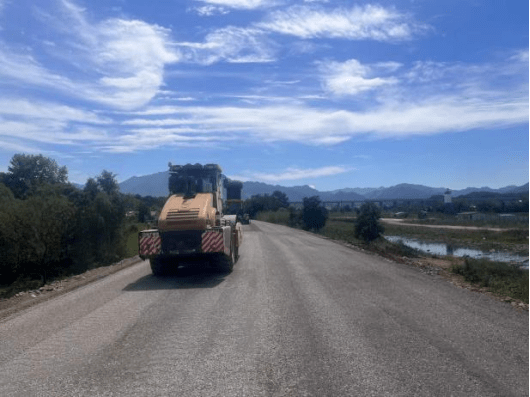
157,266
226,262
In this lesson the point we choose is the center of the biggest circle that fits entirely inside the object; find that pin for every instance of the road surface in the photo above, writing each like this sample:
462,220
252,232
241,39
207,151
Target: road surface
299,316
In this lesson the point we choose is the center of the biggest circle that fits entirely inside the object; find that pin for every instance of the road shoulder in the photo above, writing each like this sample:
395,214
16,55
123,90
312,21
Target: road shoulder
26,299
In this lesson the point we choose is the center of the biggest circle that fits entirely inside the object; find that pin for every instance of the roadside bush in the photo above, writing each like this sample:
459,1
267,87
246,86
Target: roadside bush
367,226
314,215
51,228
295,218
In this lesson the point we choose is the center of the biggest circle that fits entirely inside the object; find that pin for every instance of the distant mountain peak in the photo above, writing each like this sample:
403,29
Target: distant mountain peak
156,185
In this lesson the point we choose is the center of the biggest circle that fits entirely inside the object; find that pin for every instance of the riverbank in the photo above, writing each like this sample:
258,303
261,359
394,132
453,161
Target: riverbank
514,241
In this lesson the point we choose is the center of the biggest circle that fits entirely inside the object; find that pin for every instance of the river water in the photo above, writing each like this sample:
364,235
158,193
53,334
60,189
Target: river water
448,249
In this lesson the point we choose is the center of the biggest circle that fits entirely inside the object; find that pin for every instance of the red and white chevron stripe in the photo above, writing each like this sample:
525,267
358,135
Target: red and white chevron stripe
150,244
213,241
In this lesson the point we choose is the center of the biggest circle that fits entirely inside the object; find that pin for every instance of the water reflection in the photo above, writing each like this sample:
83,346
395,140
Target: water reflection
449,249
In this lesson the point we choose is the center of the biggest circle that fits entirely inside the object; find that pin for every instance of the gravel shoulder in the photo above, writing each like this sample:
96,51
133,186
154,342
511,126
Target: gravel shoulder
27,299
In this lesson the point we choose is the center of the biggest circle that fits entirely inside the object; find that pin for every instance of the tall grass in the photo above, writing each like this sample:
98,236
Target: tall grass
131,236
502,278
280,217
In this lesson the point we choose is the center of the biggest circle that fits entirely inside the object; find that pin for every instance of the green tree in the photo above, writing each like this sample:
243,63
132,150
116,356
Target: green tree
27,172
143,212
9,236
314,215
367,226
108,183
282,198
91,188
51,217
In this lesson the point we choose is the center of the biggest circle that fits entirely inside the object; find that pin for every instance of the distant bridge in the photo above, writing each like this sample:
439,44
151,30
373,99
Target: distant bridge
390,203
383,203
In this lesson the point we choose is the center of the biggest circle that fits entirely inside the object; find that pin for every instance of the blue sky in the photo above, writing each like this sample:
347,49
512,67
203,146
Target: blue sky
332,94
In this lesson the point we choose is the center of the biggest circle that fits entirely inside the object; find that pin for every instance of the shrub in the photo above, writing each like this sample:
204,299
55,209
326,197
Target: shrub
314,215
367,226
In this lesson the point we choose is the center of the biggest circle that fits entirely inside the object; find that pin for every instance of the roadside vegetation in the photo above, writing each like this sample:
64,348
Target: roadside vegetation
52,229
500,278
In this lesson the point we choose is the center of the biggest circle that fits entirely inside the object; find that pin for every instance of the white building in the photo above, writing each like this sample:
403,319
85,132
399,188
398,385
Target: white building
447,197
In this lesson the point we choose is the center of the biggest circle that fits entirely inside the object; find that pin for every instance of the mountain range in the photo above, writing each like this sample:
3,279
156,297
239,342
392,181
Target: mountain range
156,185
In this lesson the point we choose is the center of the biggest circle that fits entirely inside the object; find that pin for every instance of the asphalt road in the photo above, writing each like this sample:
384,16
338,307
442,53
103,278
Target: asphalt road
299,316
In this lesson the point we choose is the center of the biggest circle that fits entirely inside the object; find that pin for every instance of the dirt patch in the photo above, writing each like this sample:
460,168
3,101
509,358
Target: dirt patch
26,299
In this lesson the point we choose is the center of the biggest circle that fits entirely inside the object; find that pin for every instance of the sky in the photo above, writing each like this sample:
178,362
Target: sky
331,94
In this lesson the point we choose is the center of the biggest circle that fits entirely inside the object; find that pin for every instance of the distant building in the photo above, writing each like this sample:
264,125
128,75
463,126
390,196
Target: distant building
470,216
447,197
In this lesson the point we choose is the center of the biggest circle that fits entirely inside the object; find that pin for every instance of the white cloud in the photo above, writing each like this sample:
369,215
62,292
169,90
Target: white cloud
252,44
129,55
115,62
291,174
356,23
207,11
23,67
349,78
315,126
241,4
26,124
520,56
49,132
230,44
9,146
13,107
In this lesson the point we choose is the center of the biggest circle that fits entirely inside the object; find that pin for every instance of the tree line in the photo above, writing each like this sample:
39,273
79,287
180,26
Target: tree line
50,227
313,215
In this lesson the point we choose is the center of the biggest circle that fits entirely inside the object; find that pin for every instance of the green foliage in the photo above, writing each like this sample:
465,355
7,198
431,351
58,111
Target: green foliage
131,235
367,226
91,188
51,215
280,217
263,203
282,198
27,172
295,218
143,212
50,228
107,182
504,278
314,215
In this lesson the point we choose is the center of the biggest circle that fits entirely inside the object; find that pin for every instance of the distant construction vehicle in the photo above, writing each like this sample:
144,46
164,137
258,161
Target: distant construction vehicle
193,223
